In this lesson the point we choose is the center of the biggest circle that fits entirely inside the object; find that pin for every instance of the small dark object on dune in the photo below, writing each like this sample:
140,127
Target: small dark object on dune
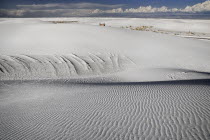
102,24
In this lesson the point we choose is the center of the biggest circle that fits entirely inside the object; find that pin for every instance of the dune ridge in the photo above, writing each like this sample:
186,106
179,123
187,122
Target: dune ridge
100,67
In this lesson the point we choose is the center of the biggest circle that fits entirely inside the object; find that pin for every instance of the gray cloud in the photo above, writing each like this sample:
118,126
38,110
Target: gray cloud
45,13
56,9
11,12
69,6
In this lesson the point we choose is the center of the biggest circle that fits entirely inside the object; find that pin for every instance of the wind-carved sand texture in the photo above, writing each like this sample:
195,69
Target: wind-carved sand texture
121,111
39,67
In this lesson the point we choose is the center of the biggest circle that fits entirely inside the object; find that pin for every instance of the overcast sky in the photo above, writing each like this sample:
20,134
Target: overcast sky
40,8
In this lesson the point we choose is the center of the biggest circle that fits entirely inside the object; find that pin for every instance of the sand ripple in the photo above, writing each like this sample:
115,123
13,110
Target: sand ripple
135,111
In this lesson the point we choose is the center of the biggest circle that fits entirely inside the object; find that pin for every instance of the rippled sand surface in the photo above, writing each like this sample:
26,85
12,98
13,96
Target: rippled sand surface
65,110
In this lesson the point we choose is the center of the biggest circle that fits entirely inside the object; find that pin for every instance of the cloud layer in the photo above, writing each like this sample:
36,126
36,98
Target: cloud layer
69,6
200,7
88,9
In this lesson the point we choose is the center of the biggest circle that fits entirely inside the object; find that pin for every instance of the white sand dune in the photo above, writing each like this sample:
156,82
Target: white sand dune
33,50
85,82
63,110
186,25
198,29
